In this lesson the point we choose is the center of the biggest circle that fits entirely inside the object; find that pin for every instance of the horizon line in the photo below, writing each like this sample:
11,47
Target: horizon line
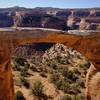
48,7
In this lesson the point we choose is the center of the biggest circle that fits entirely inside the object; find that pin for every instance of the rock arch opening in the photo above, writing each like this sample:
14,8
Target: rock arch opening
83,44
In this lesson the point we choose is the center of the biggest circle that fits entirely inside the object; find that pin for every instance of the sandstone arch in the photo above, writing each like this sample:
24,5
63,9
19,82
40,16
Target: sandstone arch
9,39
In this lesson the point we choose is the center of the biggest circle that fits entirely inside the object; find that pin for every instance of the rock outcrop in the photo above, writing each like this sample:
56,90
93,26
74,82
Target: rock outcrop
18,18
92,13
61,51
83,24
71,22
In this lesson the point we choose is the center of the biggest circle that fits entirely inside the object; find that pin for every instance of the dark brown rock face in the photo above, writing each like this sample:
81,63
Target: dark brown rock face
6,80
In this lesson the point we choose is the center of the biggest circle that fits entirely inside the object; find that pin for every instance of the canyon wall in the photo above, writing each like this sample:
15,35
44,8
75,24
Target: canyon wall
49,18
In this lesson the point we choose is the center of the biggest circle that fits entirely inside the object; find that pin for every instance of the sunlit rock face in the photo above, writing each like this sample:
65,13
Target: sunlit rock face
18,18
61,51
83,24
92,13
71,21
93,83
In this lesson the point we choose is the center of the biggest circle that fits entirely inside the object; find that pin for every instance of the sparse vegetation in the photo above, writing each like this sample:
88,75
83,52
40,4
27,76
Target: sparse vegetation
20,61
25,82
63,72
72,76
86,65
54,77
79,97
24,71
37,88
43,74
19,96
65,97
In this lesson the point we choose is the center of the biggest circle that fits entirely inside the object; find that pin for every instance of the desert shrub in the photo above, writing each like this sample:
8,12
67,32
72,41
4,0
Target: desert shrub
43,74
61,60
54,66
59,84
20,61
65,97
17,82
24,70
77,71
50,70
74,88
81,82
64,61
37,88
65,86
65,83
62,84
25,82
72,76
58,58
19,96
27,66
33,68
86,65
16,67
79,97
64,71
54,77
33,59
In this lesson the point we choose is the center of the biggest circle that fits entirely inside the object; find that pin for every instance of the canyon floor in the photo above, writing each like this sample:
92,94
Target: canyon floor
61,71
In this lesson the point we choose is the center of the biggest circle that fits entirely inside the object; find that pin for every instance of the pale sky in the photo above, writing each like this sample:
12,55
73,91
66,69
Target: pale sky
50,3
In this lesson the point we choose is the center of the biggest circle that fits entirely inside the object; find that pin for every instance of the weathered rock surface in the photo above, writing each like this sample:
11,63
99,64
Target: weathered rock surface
61,51
6,79
24,17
